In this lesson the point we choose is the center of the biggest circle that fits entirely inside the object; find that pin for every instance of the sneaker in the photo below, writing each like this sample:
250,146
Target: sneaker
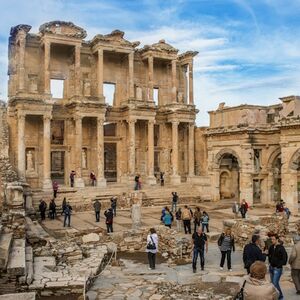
149,268
221,268
194,270
230,270
202,268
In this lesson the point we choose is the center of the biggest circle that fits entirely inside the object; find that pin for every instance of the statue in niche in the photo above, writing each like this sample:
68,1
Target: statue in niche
257,160
29,161
139,93
33,87
87,87
180,97
83,159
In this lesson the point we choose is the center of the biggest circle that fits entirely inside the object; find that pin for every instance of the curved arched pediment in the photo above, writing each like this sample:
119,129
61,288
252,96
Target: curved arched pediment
225,151
294,161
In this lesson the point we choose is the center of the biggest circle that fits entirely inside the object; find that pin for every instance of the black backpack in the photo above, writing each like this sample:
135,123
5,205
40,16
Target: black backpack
240,294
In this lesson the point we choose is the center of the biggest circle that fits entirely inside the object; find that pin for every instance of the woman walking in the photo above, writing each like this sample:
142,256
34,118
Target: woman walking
226,244
205,221
197,218
152,248
168,218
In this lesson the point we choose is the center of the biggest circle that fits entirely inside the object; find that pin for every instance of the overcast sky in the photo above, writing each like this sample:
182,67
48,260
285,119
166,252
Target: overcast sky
248,50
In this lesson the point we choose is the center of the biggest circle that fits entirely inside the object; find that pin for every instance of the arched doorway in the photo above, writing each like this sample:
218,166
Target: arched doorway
229,177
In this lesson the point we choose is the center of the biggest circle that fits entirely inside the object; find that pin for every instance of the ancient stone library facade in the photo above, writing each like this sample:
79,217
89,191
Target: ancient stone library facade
113,107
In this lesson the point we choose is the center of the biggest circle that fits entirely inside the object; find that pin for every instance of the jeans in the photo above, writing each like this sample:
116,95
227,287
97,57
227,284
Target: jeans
174,206
187,226
109,228
275,274
205,226
224,254
43,215
67,217
97,216
52,214
151,259
136,186
196,252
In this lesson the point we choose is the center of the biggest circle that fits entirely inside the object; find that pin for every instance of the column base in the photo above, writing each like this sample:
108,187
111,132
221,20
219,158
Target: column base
151,180
175,179
78,182
101,182
191,179
47,184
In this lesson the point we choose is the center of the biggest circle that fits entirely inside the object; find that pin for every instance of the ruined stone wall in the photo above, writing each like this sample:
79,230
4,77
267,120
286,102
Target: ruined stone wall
201,163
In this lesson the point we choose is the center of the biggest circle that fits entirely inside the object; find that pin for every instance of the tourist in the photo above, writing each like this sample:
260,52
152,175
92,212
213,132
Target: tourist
235,209
97,208
252,253
279,206
186,217
140,183
199,243
197,218
93,178
205,221
52,209
72,178
163,212
168,218
152,248
55,188
277,259
67,213
244,208
174,201
178,219
63,205
268,241
162,178
109,215
286,211
226,244
42,209
256,286
113,202
294,261
136,180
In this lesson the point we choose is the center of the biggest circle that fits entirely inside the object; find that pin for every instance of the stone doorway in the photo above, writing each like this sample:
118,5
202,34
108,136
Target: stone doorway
256,190
110,162
58,166
229,177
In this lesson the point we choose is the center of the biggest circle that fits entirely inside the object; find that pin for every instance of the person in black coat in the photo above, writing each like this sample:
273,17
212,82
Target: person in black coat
109,215
42,209
252,253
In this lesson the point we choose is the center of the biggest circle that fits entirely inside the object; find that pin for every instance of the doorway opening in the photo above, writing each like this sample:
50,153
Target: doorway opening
58,166
110,162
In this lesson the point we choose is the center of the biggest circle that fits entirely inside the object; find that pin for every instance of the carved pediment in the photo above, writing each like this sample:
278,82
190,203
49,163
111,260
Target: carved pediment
161,46
63,28
116,37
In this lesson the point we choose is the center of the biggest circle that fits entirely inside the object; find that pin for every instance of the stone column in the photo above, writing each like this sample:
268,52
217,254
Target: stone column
150,78
101,181
246,187
175,178
47,47
151,179
77,70
21,145
22,42
191,150
174,88
47,183
78,182
100,73
191,86
131,74
289,190
131,153
215,184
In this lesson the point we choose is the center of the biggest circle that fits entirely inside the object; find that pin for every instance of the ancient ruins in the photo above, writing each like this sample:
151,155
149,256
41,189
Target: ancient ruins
121,109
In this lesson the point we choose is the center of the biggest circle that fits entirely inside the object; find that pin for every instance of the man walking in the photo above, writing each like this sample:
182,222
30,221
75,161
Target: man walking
186,217
52,209
277,259
252,253
42,209
294,261
55,189
67,212
72,178
200,245
109,219
174,201
97,208
113,201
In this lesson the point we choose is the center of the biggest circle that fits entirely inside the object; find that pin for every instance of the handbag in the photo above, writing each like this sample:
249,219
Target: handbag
240,294
151,246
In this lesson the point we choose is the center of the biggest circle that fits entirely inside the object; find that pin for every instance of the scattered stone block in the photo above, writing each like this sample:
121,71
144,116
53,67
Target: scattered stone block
90,238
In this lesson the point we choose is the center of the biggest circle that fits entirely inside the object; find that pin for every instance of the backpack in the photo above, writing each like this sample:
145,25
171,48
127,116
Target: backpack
240,294
67,210
186,215
151,245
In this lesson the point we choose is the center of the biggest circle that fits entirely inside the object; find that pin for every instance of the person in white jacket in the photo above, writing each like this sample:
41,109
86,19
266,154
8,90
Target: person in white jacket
152,248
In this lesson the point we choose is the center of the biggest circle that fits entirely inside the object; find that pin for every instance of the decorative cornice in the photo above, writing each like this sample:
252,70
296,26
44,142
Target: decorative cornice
21,27
161,46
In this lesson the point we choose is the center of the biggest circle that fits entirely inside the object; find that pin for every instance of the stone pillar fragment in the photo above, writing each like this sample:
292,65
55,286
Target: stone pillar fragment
246,187
175,178
131,74
21,145
131,153
78,182
191,150
289,190
101,182
150,78
22,42
47,47
174,88
77,71
151,179
100,73
191,85
47,183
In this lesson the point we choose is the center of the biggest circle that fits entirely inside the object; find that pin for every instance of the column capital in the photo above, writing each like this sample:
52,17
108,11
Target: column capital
100,122
47,117
175,123
151,122
131,121
21,116
77,118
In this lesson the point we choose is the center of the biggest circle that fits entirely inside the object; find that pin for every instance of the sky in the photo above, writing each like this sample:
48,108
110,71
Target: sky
249,50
